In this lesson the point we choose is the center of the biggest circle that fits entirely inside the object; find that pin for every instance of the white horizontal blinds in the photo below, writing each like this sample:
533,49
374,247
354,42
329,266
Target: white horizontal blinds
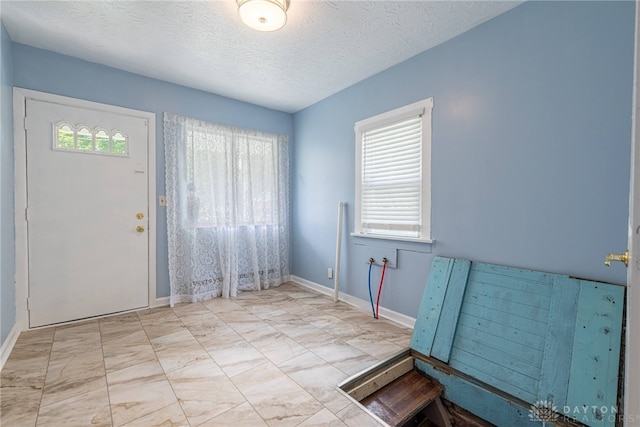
392,178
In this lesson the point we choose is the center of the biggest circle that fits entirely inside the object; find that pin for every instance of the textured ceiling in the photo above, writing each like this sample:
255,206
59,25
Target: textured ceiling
325,47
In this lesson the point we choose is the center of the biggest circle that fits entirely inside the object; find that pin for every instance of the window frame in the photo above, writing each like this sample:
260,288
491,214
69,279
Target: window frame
421,108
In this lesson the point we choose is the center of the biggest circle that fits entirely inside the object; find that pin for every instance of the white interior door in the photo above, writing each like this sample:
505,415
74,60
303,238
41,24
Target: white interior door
87,212
632,365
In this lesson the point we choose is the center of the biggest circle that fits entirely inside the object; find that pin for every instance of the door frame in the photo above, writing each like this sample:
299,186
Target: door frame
20,97
632,356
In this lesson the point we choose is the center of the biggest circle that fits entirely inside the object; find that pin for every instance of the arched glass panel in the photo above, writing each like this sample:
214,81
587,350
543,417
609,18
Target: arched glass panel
102,141
119,143
64,137
84,139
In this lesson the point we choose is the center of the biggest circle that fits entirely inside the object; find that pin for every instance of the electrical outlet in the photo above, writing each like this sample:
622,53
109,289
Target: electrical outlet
162,200
330,273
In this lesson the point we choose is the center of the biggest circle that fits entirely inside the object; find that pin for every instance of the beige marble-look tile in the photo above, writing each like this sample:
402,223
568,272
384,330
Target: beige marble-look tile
190,309
354,365
123,333
88,409
19,406
180,356
25,370
77,337
156,314
335,351
205,325
238,358
259,331
322,418
374,346
73,374
241,415
178,349
176,339
317,377
275,396
242,321
137,391
32,345
335,401
169,416
279,348
204,391
160,328
221,305
118,357
265,311
354,416
331,324
345,357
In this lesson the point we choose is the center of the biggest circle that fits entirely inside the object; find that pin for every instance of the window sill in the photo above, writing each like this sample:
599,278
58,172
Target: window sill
399,239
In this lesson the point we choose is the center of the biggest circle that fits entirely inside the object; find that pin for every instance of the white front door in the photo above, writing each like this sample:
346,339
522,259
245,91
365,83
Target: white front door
87,212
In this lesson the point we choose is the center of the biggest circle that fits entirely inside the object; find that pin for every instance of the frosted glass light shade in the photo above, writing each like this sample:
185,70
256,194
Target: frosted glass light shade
263,15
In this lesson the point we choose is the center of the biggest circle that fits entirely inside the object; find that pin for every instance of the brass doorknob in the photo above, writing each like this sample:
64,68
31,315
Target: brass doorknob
140,228
139,215
617,257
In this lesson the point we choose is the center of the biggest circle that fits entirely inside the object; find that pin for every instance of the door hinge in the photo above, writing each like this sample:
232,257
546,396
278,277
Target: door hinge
26,121
29,303
26,214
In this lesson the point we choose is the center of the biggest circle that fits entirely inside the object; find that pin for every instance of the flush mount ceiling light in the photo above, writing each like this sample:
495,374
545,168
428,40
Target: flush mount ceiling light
263,15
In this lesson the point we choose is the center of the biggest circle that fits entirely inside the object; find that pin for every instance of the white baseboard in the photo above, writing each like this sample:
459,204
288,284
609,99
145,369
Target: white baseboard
360,304
159,302
8,344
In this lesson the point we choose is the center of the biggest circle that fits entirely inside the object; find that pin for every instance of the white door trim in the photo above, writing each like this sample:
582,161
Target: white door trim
20,96
632,356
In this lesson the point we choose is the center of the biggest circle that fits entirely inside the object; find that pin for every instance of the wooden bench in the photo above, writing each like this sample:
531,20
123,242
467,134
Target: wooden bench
508,344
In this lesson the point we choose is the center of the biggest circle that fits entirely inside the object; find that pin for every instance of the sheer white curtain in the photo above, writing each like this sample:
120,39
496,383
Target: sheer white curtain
227,213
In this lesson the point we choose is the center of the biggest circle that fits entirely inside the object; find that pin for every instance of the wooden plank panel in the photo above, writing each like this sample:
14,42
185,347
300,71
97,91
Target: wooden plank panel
527,280
494,315
525,298
451,309
536,309
558,348
402,399
508,359
380,380
478,400
431,306
593,380
479,326
495,374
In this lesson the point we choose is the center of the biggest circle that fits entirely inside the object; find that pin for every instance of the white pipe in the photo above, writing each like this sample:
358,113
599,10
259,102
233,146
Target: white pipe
336,277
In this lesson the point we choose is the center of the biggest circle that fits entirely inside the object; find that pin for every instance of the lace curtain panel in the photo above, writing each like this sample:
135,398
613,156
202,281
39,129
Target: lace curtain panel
227,209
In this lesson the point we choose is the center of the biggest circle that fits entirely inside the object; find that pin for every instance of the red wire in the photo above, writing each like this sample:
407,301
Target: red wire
384,268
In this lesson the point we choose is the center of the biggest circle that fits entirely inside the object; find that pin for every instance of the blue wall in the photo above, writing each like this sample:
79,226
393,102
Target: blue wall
530,152
7,251
62,75
530,158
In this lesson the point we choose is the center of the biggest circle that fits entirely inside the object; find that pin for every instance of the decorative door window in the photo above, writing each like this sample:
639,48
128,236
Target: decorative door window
85,139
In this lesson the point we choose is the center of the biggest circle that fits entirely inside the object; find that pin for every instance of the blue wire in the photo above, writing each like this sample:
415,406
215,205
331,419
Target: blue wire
370,295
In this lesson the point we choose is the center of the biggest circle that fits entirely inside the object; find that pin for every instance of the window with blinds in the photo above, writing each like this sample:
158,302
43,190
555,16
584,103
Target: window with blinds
393,152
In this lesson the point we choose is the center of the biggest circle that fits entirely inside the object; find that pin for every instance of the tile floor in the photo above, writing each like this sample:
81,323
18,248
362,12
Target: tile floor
268,358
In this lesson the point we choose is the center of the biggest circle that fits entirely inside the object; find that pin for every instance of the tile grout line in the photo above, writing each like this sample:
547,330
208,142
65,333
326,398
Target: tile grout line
155,353
104,365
